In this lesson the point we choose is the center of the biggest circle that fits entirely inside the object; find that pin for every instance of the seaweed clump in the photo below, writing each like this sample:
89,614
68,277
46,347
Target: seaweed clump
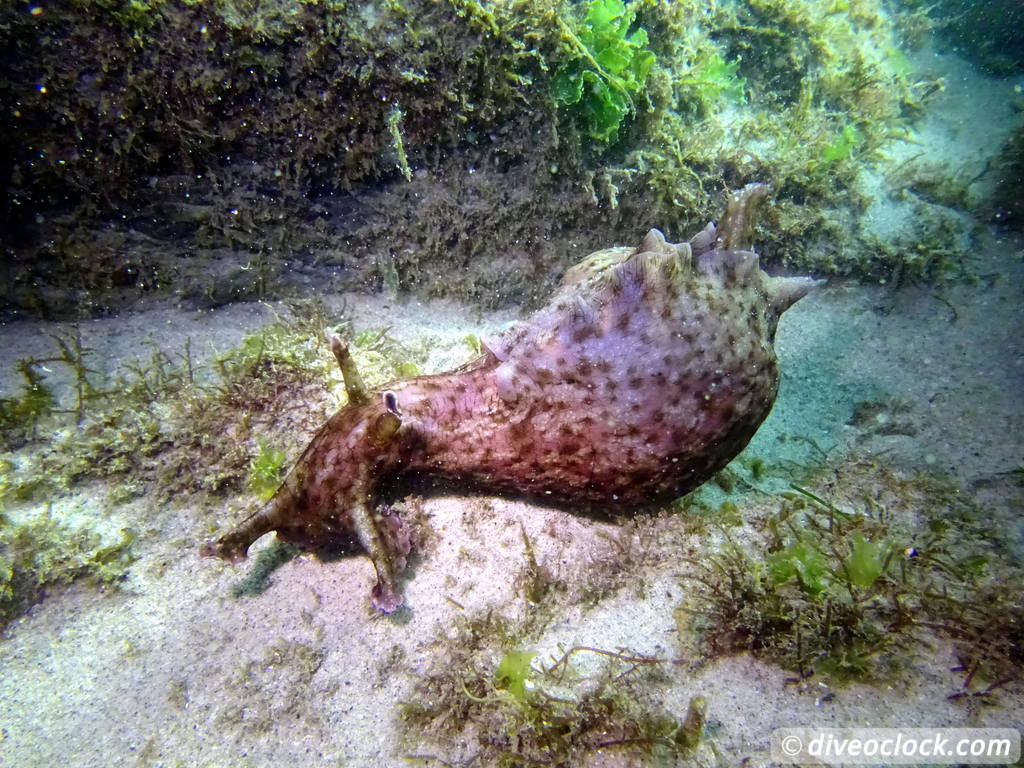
350,143
161,426
607,69
207,124
847,594
497,691
42,552
19,415
522,708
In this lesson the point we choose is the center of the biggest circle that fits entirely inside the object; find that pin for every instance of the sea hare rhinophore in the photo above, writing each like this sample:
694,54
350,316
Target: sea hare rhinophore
649,370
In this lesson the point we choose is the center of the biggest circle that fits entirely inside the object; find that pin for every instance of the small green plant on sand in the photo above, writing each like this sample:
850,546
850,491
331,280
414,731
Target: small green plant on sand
513,672
607,70
472,341
266,470
847,593
526,709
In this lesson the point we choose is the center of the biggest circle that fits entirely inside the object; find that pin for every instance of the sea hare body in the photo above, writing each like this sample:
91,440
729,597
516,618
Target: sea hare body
649,370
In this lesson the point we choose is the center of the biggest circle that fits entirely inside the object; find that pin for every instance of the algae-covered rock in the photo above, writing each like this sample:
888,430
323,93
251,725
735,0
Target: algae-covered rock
43,551
350,145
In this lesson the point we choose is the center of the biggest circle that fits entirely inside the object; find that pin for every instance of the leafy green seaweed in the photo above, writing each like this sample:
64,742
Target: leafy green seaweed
608,69
866,561
843,145
801,563
266,470
845,594
513,672
717,79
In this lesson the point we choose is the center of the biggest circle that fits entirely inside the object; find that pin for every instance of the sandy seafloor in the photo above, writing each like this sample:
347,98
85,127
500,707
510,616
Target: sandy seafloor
172,670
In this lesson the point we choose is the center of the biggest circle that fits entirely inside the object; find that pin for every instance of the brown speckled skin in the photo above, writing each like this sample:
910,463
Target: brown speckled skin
651,368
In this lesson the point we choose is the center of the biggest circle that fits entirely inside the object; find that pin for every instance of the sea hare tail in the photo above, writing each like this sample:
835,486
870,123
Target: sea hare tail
234,544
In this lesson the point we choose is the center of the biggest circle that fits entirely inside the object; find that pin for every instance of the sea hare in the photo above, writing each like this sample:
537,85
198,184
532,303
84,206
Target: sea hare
649,370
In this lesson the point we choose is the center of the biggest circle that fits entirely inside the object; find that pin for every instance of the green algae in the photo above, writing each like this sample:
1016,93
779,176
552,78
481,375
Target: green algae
43,551
513,672
20,415
717,79
843,145
607,70
544,710
473,342
693,100
266,470
168,424
849,593
394,120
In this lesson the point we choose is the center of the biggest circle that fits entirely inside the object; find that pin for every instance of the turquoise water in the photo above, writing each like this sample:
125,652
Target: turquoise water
198,196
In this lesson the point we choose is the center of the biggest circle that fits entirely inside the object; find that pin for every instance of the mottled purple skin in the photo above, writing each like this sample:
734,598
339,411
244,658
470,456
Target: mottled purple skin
651,368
